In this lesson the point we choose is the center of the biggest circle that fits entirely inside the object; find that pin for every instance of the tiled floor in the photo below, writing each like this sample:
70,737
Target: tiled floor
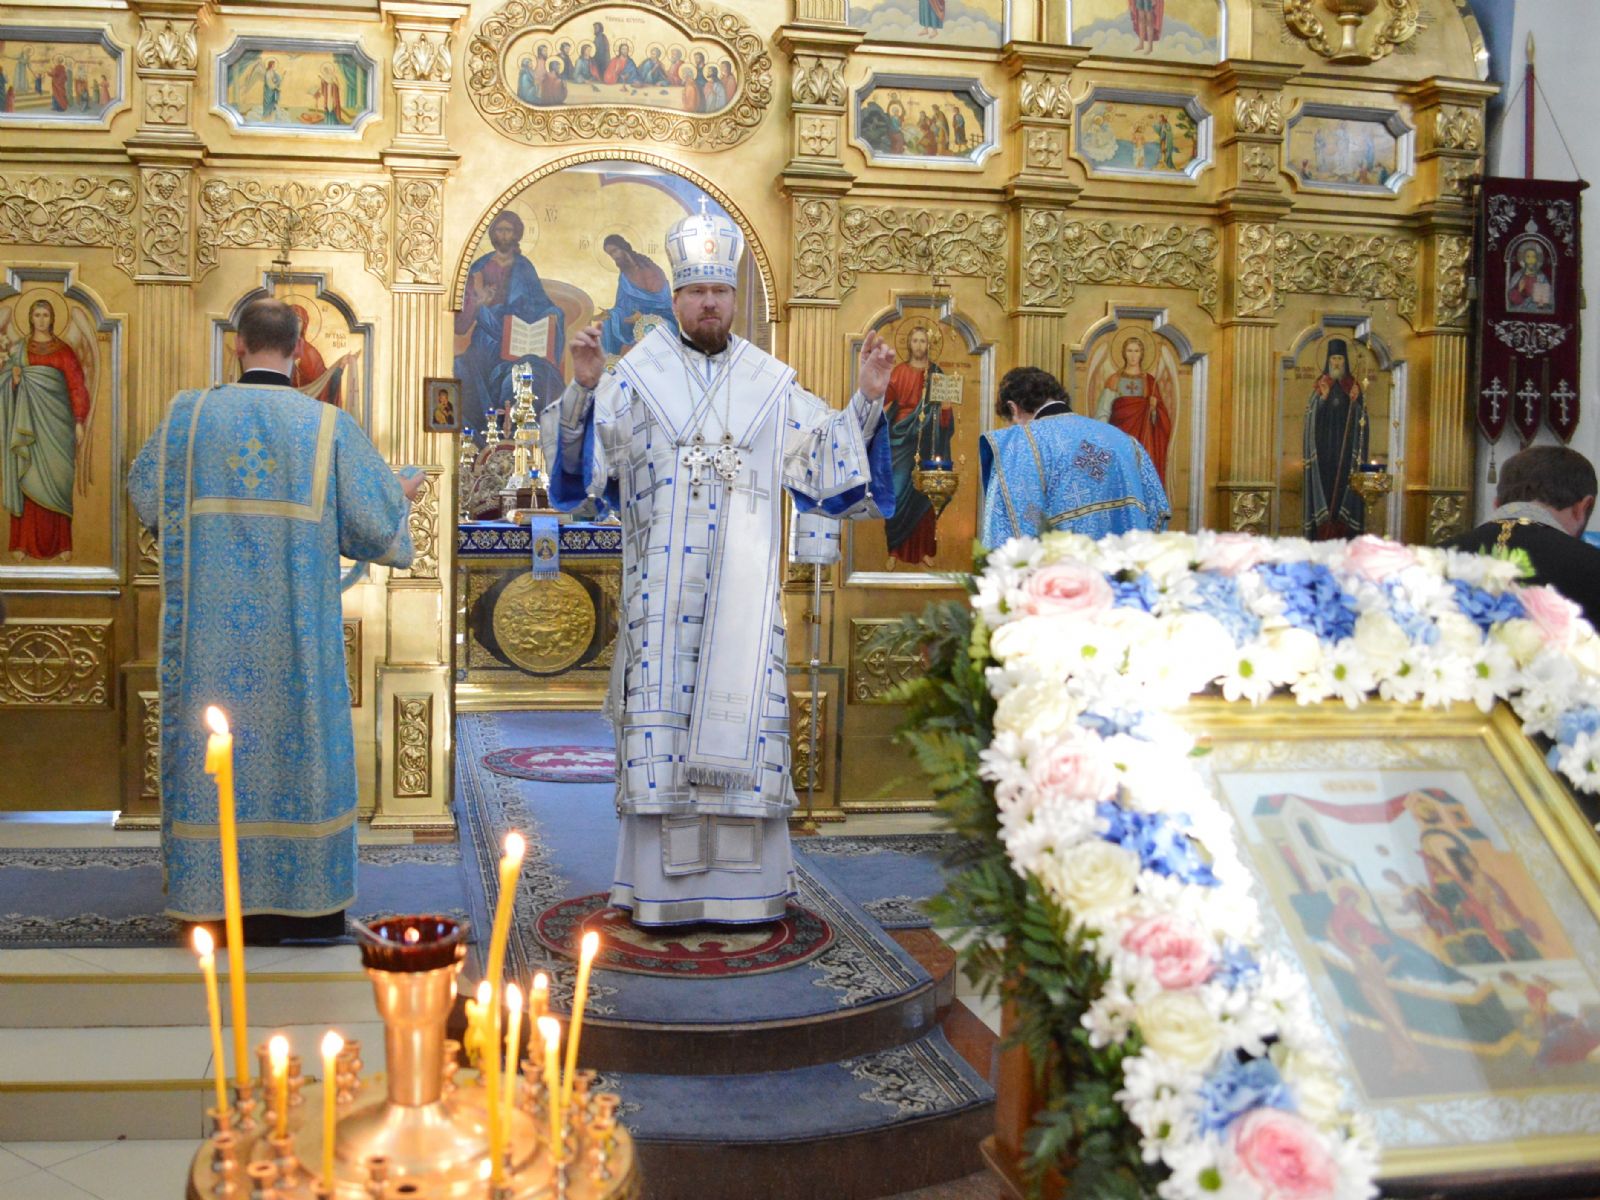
98,1170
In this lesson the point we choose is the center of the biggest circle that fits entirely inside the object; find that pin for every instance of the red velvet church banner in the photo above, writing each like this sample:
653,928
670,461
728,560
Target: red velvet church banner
1528,267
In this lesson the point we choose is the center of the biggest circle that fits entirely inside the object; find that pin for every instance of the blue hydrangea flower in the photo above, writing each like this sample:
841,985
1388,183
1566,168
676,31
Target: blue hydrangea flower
1312,597
1218,597
1159,841
1415,625
1236,966
1237,1088
1138,592
1486,609
1108,722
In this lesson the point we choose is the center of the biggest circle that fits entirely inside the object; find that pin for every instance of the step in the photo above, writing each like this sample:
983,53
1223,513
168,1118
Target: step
133,1082
872,1125
162,987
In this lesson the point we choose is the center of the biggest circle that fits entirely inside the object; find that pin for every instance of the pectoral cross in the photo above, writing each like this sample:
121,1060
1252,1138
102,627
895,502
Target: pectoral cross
697,460
1495,393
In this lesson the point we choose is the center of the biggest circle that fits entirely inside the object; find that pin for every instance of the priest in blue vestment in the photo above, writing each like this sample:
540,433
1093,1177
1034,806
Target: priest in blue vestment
693,438
255,491
1053,469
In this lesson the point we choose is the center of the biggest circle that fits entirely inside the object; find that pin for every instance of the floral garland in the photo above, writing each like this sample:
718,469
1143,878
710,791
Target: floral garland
1224,1073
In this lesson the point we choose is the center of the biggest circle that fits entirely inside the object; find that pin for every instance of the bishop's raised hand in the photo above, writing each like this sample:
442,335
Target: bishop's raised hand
588,358
877,361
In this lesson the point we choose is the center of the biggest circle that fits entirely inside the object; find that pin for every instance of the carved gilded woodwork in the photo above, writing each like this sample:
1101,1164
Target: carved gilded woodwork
1363,41
818,80
1061,251
1043,94
1457,128
1255,287
1447,516
816,262
166,104
1044,149
149,561
55,663
1367,266
818,135
251,213
419,231
352,659
878,663
1453,256
495,96
150,745
805,707
544,625
70,210
1249,510
421,56
1259,163
424,524
922,241
164,222
421,114
166,44
1258,112
413,745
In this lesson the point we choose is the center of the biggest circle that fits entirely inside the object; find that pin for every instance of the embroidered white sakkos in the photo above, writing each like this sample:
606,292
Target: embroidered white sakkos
694,452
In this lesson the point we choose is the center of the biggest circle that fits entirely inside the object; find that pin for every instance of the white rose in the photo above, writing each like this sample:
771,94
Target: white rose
1293,651
1198,649
1521,637
1586,653
1379,639
1317,1090
1018,640
1095,874
1062,545
1459,634
1178,1026
1041,706
1171,559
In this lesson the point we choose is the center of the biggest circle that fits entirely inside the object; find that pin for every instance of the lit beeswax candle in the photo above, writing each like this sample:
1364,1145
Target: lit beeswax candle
538,999
550,1031
332,1044
513,1057
206,949
278,1056
510,868
588,948
219,763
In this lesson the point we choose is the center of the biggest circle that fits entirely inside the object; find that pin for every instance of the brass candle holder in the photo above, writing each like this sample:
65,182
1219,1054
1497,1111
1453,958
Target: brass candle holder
420,1131
1373,483
937,482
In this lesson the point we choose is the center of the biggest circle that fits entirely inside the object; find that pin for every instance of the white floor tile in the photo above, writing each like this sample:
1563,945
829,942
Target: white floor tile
42,1185
44,962
56,1055
132,1170
14,1166
49,1154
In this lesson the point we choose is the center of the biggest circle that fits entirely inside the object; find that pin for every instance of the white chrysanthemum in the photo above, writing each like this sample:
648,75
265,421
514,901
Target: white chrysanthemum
1251,674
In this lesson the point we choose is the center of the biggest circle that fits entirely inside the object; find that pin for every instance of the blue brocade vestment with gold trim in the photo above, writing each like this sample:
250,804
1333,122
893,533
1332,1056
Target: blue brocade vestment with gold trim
255,492
1070,473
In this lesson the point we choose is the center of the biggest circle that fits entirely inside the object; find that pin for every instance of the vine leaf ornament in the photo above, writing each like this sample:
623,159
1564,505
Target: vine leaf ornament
1394,28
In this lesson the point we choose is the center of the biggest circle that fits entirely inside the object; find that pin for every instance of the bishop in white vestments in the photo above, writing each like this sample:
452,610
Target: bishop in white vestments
693,439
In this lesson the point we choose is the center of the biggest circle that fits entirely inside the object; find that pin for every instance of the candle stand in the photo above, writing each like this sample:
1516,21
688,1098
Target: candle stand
419,1133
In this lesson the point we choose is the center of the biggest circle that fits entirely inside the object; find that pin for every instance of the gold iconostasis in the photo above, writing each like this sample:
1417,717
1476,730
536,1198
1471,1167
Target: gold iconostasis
1219,221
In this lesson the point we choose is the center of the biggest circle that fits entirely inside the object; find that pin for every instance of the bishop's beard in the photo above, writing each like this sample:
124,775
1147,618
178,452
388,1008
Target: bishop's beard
708,341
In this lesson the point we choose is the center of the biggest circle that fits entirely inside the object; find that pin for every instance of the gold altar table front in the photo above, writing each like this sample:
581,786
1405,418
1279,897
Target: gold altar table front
528,643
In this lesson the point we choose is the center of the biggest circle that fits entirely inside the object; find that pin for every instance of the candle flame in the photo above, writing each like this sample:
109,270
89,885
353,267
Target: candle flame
204,943
513,997
218,720
278,1052
589,947
485,992
541,983
550,1030
332,1043
412,936
516,847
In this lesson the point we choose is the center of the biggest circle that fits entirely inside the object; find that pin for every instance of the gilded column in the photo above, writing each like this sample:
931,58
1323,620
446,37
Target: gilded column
1039,195
1440,423
412,713
1249,148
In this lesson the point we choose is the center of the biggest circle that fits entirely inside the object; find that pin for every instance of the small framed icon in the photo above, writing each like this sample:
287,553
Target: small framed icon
441,405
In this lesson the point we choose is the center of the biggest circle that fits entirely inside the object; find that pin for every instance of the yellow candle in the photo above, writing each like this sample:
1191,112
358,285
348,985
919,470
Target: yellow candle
477,1020
588,948
219,763
539,1001
205,947
513,1035
332,1043
510,868
550,1030
278,1056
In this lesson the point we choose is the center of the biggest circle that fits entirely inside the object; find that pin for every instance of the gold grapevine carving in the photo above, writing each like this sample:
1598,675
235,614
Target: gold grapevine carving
1453,254
496,100
250,213
805,708
1256,290
419,222
1446,517
611,586
816,263
918,241
164,222
55,664
1371,267
166,45
352,659
1248,510
1043,95
149,551
818,81
424,524
422,56
1456,128
413,746
67,210
1258,112
1458,177
878,664
1060,253
150,739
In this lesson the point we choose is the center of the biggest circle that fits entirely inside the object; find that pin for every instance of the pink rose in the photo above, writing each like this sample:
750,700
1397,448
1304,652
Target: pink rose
1284,1155
1075,767
1555,615
1376,559
1231,553
1066,587
1176,948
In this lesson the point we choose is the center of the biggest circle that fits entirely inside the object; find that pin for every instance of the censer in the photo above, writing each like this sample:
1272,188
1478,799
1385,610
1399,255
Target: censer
418,1133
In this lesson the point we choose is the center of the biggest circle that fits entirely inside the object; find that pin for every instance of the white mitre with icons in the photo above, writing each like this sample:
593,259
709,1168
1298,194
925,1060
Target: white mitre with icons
704,247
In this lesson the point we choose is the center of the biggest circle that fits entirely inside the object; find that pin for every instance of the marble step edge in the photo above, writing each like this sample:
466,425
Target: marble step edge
160,1000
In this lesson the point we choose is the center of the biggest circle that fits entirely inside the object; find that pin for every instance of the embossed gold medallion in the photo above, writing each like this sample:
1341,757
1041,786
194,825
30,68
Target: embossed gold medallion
544,625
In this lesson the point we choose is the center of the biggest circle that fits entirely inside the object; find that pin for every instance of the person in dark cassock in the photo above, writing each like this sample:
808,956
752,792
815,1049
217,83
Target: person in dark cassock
1335,441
